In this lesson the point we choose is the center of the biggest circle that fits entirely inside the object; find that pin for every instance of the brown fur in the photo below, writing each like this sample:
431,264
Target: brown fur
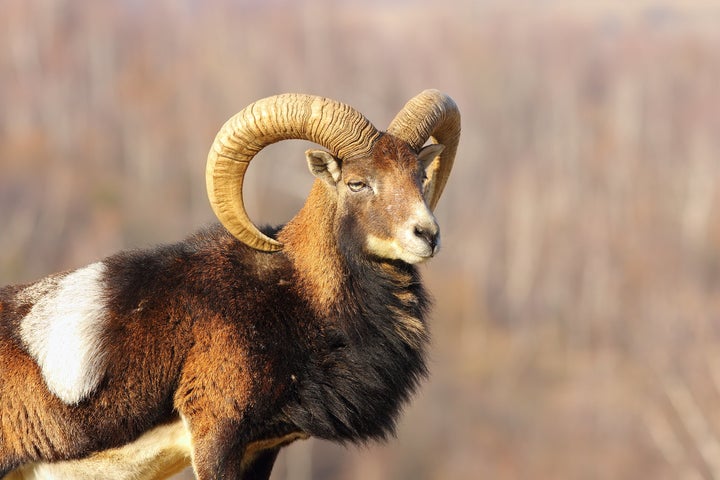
315,255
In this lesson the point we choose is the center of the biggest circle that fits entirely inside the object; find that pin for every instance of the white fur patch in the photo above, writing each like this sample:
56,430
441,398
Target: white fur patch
63,332
384,248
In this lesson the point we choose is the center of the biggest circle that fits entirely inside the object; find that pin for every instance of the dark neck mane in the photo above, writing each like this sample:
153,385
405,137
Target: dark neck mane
374,332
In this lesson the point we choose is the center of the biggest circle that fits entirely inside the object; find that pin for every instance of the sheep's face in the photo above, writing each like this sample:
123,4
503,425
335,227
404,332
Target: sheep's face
380,206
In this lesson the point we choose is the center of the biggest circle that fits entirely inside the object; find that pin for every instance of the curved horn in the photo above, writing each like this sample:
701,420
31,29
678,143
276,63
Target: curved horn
430,115
336,126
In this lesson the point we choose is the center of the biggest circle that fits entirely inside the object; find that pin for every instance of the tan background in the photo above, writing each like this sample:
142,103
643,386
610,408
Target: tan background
577,318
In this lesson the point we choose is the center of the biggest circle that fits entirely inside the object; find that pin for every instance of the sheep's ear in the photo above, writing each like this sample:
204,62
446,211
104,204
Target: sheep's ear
324,166
428,153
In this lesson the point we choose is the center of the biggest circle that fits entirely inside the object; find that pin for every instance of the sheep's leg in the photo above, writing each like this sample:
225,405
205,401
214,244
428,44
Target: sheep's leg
259,467
216,395
222,451
216,451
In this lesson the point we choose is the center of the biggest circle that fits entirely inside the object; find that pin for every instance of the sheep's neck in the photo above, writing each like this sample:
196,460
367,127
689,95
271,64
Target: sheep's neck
310,244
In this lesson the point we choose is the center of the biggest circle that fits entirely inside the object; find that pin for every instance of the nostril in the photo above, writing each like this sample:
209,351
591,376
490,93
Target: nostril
429,235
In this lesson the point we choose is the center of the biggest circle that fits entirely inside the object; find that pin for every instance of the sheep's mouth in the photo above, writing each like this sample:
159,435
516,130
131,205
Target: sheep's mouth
408,248
420,255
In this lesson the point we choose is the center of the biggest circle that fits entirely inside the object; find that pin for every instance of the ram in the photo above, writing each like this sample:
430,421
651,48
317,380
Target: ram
223,348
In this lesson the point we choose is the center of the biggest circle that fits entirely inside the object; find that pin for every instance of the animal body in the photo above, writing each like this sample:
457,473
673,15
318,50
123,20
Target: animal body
223,348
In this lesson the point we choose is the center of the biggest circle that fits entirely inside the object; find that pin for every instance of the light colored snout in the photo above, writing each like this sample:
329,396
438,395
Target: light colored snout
419,237
414,240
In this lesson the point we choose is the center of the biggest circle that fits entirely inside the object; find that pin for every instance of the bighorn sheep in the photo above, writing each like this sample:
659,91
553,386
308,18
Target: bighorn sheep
225,347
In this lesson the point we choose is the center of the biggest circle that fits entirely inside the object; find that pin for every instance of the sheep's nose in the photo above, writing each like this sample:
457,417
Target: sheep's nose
429,233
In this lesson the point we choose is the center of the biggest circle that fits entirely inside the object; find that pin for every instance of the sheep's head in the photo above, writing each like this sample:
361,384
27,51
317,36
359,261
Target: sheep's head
381,209
385,185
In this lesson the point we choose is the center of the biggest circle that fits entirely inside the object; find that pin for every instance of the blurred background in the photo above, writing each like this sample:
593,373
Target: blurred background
576,332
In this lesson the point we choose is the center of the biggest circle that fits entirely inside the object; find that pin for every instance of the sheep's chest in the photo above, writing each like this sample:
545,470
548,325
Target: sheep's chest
356,381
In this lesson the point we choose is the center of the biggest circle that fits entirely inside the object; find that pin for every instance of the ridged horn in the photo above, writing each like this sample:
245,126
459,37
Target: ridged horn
433,116
337,127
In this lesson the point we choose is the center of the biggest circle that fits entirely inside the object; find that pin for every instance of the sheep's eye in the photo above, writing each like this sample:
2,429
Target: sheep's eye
356,186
